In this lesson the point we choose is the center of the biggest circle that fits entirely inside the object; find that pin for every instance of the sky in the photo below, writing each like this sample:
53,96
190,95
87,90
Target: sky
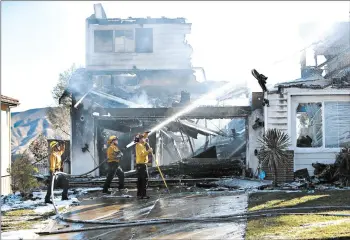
41,39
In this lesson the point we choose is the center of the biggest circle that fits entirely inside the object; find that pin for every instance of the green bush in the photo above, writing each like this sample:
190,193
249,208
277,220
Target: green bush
22,171
273,150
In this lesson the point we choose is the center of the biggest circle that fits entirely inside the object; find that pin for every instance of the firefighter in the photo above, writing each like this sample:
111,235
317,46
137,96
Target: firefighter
141,165
114,156
57,150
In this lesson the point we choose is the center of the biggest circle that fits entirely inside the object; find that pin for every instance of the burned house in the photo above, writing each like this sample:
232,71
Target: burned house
139,73
315,109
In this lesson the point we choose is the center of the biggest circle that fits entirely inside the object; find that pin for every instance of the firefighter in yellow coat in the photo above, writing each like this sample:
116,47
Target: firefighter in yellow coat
114,156
61,181
141,165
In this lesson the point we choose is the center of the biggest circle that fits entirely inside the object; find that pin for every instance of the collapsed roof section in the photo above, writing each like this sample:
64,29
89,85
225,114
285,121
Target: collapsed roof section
161,113
100,17
334,72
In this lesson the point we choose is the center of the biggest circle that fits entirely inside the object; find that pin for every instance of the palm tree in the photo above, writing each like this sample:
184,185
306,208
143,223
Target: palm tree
273,150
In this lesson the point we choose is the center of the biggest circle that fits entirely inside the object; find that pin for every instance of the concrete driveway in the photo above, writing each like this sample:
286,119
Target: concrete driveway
175,205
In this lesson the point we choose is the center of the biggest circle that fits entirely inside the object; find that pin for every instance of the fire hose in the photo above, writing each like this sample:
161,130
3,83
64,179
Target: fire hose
160,172
224,218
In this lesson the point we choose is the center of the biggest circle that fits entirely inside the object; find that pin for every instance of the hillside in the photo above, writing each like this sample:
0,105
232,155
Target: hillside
26,126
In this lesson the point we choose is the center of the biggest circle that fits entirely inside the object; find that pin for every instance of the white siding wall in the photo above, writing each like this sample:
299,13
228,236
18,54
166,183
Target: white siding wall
5,152
277,116
304,160
169,49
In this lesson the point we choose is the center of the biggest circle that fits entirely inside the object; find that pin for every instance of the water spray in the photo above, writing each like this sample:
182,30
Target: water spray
191,107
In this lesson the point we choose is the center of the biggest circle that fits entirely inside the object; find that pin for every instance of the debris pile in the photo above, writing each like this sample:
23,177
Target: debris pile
337,173
198,168
326,176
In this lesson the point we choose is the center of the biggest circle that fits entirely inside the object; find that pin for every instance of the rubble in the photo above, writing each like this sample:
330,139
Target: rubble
302,173
337,173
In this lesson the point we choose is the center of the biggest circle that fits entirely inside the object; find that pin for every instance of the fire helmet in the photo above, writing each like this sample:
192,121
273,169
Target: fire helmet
53,144
111,139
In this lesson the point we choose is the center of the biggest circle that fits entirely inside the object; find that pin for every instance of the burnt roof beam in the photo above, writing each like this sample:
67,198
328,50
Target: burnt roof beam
158,113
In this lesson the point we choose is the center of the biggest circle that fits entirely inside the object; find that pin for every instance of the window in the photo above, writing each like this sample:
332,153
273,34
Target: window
144,40
103,41
124,41
309,125
337,124
100,81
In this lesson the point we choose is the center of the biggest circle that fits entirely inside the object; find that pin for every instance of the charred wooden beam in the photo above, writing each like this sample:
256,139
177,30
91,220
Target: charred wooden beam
157,113
131,182
200,168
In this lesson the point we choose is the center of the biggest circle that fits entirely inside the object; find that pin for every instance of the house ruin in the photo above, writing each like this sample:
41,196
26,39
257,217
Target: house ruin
139,72
315,109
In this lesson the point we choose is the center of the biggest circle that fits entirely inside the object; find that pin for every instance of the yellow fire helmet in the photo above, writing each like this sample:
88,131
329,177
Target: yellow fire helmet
111,138
53,144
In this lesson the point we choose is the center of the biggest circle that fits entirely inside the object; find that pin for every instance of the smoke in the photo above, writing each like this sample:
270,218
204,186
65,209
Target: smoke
126,79
142,99
77,82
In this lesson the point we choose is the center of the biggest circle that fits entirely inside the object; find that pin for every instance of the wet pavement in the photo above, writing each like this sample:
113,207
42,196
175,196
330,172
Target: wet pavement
185,205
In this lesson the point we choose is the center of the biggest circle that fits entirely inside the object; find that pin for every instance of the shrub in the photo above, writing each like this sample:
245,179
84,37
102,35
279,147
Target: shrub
273,150
22,171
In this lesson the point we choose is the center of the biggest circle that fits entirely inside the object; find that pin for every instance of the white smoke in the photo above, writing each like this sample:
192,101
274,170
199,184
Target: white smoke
142,99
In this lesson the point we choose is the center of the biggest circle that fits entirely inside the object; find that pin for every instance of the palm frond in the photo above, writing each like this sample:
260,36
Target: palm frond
273,149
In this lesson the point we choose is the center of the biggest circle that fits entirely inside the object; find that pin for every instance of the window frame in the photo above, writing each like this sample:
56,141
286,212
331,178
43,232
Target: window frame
94,45
295,100
134,40
322,123
133,30
323,127
152,34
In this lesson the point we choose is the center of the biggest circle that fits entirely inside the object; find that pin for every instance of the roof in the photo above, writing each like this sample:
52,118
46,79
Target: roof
341,73
309,80
9,101
100,17
130,20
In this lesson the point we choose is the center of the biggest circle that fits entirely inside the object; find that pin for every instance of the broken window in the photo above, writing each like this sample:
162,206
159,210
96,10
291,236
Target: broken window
125,80
144,40
103,41
309,125
100,81
337,124
124,41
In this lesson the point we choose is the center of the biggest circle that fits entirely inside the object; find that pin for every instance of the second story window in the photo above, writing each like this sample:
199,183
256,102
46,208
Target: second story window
124,41
144,40
103,41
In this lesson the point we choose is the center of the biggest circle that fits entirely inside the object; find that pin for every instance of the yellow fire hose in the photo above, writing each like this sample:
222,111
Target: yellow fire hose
160,172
